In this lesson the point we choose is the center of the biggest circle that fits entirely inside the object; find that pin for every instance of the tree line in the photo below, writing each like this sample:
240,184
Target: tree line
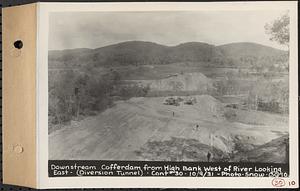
74,94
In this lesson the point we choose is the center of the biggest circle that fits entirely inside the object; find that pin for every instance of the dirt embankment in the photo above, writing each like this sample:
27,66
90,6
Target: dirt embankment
186,82
139,129
183,82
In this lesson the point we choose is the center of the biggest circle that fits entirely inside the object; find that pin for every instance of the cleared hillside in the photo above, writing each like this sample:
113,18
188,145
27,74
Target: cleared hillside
179,82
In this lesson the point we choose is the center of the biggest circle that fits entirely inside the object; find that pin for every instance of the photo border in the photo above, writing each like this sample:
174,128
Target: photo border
158,182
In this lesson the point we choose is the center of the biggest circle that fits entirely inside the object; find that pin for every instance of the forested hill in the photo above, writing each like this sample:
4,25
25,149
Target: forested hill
249,49
141,53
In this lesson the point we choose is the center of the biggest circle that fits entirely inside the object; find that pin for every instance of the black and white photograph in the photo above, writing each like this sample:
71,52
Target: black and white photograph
180,86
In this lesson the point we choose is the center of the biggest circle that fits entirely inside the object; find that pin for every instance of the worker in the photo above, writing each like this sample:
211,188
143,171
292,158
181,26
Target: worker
208,156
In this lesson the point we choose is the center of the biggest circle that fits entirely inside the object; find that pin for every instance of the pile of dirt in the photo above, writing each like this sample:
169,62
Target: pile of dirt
181,82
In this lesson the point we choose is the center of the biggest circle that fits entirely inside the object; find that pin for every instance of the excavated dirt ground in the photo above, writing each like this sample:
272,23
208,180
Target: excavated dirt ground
146,129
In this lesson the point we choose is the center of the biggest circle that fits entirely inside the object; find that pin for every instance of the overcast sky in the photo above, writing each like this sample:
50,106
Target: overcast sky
70,30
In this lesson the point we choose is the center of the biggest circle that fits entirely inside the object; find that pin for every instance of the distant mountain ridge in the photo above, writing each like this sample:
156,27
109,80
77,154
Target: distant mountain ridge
142,52
249,49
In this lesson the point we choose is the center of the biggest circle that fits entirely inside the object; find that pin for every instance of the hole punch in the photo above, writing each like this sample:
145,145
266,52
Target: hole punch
18,44
18,149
